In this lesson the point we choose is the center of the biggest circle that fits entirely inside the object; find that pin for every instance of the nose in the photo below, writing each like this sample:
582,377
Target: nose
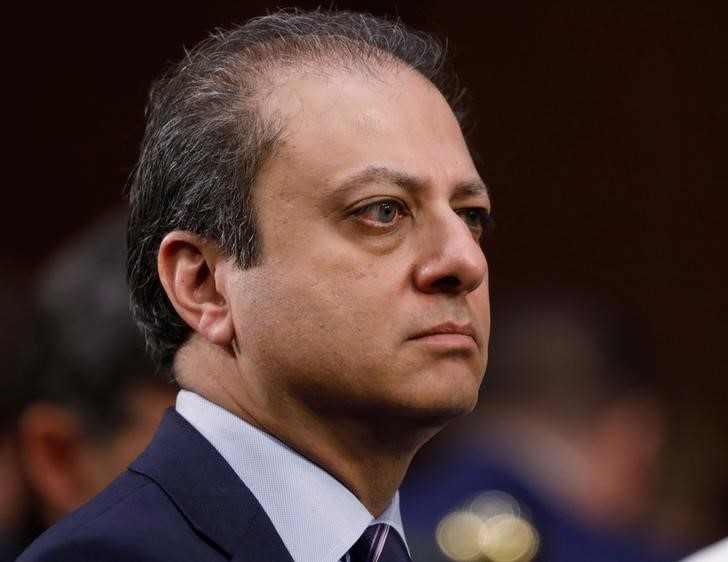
450,260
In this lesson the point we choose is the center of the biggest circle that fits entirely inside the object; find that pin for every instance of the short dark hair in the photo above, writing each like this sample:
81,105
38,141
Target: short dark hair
85,350
206,138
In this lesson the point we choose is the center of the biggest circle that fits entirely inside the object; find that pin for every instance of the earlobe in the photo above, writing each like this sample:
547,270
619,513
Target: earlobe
187,266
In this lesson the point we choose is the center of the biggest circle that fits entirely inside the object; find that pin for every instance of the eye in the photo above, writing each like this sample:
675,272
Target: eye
478,219
381,213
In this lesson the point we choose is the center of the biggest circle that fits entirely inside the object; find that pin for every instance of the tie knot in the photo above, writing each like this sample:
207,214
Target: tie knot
379,543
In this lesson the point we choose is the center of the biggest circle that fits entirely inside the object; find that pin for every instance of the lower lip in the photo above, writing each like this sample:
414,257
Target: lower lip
449,341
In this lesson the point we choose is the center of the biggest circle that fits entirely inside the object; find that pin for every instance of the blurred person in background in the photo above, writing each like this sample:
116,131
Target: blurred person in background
94,398
560,461
13,492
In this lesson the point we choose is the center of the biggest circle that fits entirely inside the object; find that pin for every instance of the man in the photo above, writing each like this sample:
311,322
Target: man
94,398
305,252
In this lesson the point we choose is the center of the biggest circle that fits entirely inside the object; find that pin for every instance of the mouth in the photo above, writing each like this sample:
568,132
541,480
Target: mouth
449,335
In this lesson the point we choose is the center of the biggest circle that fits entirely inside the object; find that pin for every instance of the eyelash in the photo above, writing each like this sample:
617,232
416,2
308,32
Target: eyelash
400,208
485,221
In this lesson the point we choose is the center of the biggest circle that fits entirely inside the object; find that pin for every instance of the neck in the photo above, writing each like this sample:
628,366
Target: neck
368,454
371,461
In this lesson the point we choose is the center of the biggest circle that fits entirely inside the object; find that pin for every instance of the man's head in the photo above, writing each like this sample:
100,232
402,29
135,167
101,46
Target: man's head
305,192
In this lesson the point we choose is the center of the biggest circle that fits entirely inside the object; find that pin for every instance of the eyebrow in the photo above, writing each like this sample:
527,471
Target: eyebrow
408,182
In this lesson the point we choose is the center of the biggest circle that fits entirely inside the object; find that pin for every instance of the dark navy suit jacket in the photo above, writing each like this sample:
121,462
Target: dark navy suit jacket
179,501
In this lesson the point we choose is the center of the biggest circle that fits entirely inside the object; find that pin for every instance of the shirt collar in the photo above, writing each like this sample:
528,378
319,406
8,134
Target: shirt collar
317,517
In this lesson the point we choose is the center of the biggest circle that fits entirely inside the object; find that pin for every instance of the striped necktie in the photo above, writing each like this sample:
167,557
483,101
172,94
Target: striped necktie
379,543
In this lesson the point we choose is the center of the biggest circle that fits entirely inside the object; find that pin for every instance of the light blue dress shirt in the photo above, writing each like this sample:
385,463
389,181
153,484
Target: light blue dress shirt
316,516
714,553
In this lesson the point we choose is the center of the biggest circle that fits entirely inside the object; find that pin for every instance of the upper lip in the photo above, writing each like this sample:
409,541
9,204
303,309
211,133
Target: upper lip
448,328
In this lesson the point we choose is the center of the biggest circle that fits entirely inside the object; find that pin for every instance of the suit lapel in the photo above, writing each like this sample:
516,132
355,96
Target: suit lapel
208,492
261,544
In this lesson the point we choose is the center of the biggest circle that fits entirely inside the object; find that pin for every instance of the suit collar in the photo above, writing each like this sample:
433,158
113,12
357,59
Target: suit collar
206,490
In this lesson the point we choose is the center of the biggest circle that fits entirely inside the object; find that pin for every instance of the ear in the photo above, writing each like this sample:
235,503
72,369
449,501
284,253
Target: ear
187,266
54,454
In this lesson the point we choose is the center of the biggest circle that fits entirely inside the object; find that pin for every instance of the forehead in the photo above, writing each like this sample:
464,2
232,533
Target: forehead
335,122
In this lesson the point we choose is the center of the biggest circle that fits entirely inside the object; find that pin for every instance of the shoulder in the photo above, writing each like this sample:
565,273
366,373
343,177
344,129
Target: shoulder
132,519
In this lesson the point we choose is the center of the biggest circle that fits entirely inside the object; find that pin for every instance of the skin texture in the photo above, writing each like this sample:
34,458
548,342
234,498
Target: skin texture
370,211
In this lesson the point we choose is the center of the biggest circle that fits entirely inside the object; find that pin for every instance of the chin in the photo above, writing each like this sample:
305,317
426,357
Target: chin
444,412
437,406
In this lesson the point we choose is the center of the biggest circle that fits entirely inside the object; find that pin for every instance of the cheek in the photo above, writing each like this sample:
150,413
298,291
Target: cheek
337,277
329,313
484,316
480,305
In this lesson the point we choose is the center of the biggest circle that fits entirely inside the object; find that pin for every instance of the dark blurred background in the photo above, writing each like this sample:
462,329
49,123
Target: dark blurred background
599,127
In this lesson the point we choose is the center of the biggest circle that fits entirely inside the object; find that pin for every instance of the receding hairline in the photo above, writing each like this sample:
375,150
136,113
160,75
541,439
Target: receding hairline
277,71
281,59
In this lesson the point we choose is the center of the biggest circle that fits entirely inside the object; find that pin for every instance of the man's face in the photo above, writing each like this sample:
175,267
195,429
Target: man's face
371,297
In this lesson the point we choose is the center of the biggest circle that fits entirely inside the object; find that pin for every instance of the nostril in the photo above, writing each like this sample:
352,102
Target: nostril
444,283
